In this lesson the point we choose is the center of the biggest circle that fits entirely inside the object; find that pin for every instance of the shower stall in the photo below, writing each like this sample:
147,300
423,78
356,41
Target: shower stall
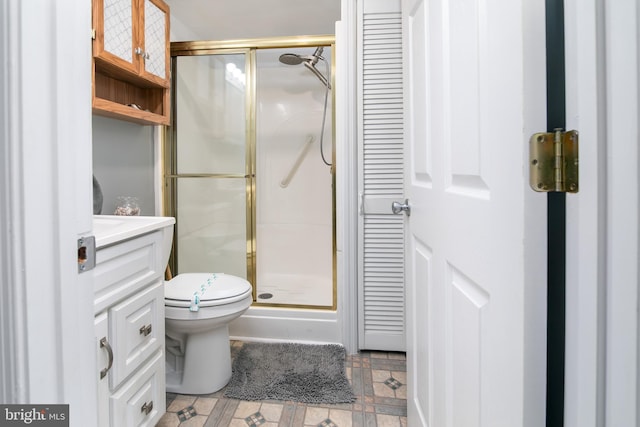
249,166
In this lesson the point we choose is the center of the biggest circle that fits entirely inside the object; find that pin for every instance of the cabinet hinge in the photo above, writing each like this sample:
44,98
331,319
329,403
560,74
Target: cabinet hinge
93,34
553,161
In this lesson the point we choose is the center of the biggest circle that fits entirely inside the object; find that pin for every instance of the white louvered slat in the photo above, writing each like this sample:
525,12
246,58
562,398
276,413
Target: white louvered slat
381,155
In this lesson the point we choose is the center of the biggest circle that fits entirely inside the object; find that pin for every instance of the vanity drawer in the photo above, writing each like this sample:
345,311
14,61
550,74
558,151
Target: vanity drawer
124,268
142,400
136,327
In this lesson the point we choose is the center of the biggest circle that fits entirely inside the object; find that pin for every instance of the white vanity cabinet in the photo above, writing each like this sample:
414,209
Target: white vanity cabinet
129,321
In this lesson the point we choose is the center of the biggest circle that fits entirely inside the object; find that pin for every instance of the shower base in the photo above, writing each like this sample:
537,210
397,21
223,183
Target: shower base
295,289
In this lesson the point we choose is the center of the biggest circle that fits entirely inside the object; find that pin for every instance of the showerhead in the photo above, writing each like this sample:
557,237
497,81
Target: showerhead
308,61
291,59
295,59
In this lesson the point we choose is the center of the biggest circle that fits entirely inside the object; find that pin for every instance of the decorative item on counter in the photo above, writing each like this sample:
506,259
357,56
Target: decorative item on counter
97,197
128,206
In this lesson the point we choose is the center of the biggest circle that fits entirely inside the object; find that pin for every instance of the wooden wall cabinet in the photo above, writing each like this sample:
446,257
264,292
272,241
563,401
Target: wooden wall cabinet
131,77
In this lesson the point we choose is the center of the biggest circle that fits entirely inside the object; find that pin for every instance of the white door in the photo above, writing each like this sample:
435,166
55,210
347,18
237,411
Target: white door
46,319
380,178
475,254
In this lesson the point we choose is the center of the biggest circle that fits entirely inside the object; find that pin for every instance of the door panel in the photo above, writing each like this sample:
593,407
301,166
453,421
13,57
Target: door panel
467,111
213,225
381,287
211,115
211,165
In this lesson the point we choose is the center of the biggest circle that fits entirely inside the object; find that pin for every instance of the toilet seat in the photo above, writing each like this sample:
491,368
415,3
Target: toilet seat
212,289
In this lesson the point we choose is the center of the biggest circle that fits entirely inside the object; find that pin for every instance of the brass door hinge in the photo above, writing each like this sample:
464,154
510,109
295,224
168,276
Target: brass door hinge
553,161
93,34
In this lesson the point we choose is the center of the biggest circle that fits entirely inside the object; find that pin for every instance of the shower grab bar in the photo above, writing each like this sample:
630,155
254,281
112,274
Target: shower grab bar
303,152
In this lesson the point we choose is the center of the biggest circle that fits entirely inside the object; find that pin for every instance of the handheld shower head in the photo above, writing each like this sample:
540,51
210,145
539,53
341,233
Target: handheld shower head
317,55
318,74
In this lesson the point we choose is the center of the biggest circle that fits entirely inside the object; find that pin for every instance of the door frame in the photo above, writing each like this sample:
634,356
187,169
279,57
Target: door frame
602,295
586,217
346,126
602,229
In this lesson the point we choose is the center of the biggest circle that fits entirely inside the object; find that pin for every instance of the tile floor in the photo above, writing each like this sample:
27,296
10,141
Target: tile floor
378,380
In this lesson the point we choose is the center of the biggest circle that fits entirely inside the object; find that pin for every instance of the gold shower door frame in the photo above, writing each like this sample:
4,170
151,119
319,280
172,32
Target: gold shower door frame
247,47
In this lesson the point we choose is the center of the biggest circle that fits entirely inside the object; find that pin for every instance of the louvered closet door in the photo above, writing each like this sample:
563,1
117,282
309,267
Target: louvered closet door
381,233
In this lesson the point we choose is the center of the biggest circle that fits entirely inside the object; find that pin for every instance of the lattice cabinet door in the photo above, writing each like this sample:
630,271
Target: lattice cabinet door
115,32
155,35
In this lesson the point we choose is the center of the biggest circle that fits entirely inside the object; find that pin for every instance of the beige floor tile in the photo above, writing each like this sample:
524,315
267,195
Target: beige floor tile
388,420
341,418
382,390
379,355
271,411
315,416
400,376
401,393
238,422
197,421
380,376
181,402
169,419
246,408
204,405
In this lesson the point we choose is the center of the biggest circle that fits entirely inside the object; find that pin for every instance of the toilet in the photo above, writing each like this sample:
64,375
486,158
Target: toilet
198,309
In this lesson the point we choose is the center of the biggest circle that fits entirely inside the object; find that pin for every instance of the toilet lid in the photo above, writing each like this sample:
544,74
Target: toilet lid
207,286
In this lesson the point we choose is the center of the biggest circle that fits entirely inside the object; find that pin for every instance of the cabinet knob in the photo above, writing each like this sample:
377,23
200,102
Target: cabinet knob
138,51
147,407
145,330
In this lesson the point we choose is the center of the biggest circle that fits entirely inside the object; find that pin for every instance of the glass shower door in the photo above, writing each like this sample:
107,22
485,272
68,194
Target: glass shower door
211,173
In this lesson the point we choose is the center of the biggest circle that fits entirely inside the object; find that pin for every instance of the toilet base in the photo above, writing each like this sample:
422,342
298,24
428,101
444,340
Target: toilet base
211,349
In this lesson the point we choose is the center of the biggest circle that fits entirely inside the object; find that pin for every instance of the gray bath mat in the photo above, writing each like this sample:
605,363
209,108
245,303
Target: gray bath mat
296,372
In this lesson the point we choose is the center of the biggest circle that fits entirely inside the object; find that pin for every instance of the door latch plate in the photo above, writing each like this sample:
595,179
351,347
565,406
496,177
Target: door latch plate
86,253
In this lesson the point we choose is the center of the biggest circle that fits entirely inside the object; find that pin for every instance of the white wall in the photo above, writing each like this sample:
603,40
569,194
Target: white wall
123,162
123,152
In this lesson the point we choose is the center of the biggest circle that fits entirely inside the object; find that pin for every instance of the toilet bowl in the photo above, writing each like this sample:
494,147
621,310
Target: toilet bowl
198,309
